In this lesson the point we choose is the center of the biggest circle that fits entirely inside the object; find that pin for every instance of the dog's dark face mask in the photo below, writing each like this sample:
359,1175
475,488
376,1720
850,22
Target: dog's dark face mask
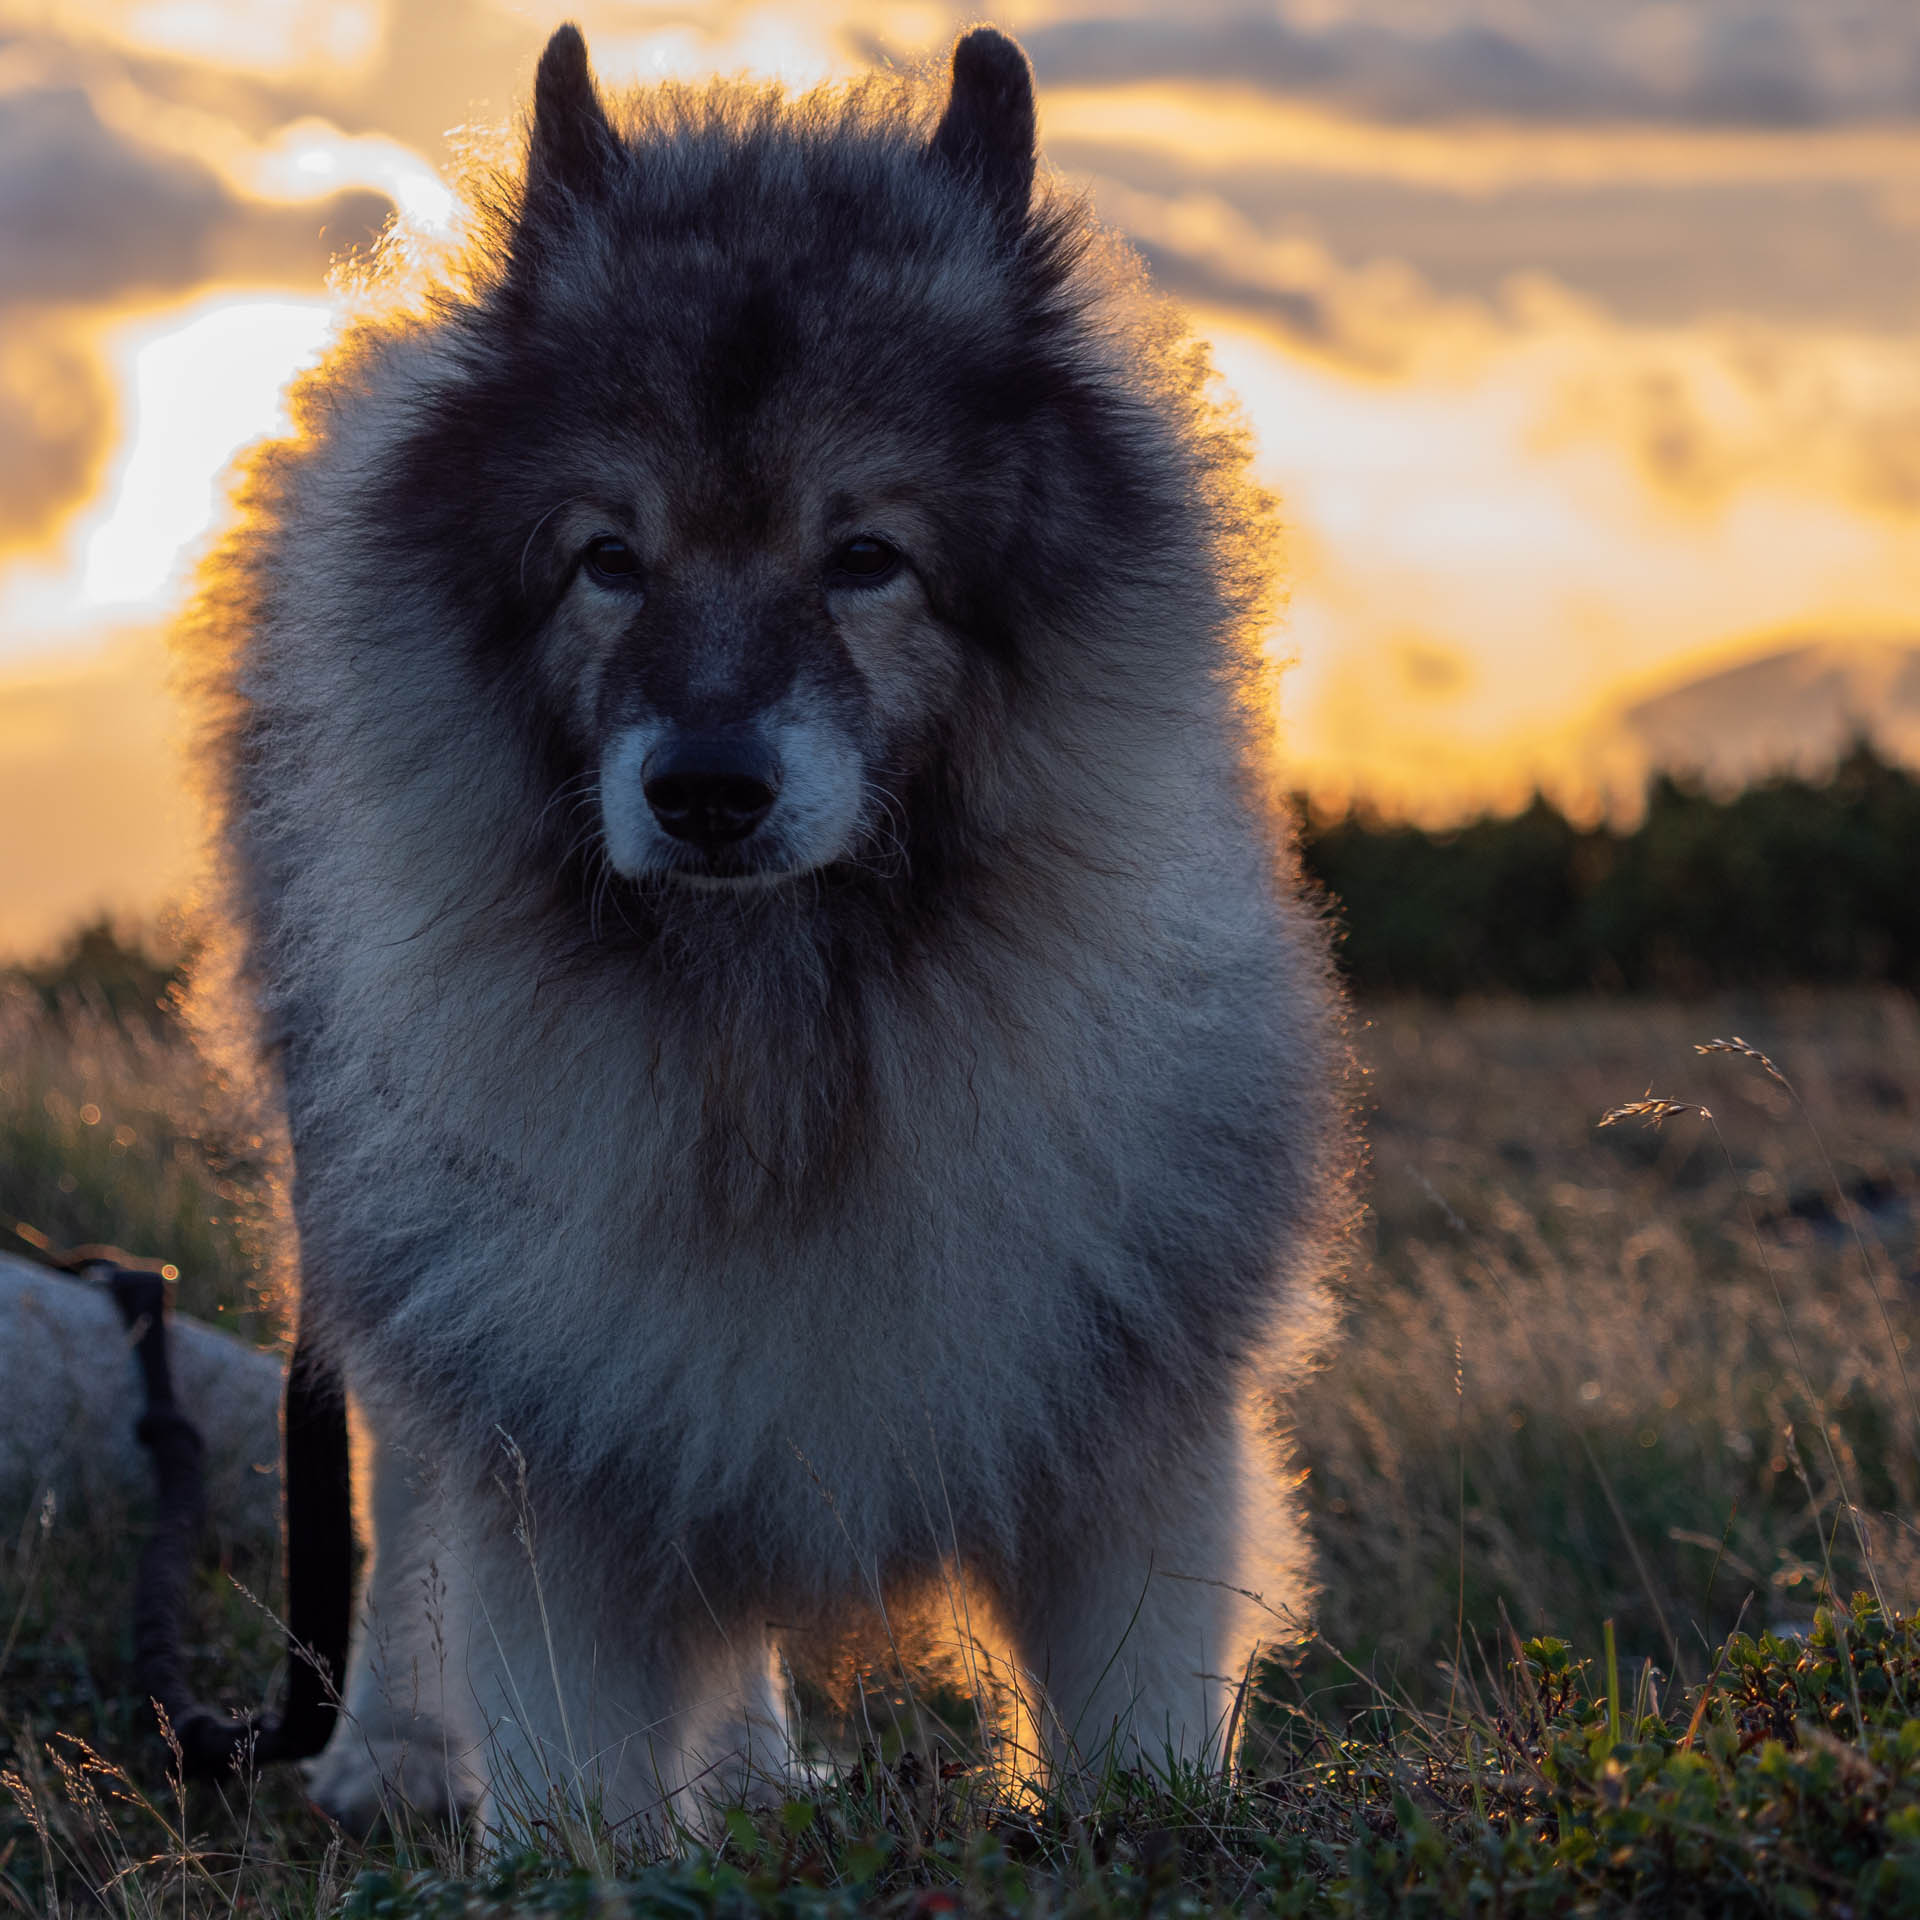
747,624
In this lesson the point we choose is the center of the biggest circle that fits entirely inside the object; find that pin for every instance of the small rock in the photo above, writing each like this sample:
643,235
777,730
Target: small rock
70,1395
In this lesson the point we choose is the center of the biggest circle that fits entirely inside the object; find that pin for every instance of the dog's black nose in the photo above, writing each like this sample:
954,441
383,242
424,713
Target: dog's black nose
710,789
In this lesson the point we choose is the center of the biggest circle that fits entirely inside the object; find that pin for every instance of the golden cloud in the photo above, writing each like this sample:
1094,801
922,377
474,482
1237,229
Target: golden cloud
1226,126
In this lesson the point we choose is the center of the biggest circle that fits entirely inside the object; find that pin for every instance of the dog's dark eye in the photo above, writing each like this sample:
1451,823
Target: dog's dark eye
864,561
612,562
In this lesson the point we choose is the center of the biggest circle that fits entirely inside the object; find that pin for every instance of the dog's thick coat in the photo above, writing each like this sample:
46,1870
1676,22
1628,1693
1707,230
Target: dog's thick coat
721,1223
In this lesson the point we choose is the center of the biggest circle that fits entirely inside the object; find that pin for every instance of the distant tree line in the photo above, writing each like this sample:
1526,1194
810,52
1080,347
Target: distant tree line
123,970
1789,881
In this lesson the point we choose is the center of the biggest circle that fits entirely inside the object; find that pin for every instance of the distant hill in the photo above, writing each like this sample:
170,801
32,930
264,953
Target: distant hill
1795,710
1771,840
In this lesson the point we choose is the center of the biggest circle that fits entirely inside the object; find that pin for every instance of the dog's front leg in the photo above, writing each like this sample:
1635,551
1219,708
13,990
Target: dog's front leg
409,1742
1129,1626
619,1697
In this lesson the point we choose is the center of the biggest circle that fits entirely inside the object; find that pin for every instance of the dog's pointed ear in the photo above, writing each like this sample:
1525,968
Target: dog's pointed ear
986,134
571,147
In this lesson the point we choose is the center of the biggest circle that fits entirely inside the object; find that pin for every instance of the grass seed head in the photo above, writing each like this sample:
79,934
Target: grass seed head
1650,1110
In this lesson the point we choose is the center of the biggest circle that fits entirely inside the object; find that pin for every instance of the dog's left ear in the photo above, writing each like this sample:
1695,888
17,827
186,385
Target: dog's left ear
986,134
571,148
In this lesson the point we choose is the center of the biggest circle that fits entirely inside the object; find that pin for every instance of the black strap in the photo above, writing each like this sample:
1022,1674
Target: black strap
316,1489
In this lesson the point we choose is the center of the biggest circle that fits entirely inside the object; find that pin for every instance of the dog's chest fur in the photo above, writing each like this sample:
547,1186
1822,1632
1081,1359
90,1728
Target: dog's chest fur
657,1254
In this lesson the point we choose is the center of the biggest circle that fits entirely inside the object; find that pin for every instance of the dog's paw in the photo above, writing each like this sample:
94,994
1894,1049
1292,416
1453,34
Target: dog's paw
364,1778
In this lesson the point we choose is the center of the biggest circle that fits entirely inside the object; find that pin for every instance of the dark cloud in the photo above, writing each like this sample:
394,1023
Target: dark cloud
440,64
1738,62
89,218
82,216
1655,252
1301,313
55,419
1394,75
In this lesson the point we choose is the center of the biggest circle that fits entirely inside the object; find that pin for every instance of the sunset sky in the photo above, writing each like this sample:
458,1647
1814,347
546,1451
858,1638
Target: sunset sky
1581,338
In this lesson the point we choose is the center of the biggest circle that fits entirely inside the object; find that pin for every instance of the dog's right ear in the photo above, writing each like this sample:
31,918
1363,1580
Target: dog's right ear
571,147
986,135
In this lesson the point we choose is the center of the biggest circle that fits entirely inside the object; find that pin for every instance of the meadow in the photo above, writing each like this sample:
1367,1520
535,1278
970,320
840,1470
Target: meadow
1610,1462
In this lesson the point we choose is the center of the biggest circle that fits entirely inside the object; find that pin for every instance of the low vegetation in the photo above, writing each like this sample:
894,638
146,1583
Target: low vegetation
1643,1387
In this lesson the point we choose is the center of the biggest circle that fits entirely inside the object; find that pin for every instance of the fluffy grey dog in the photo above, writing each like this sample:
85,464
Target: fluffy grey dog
746,790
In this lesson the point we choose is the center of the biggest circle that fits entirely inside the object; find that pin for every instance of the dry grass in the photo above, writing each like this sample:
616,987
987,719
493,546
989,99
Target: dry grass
1637,1372
1653,1375
113,1131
